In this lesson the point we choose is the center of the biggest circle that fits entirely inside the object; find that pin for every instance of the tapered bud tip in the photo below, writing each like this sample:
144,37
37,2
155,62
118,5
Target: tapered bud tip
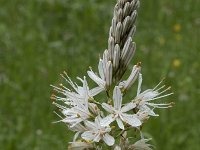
130,39
111,39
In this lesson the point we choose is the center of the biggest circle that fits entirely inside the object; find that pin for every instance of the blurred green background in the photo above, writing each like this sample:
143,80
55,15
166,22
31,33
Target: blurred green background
41,38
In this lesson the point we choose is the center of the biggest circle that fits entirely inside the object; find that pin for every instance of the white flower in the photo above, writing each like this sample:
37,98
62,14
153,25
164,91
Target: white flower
79,108
80,94
97,132
76,114
141,145
125,85
118,112
144,99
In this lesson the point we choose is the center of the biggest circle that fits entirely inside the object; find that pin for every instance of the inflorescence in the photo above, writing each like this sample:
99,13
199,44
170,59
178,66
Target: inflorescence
98,124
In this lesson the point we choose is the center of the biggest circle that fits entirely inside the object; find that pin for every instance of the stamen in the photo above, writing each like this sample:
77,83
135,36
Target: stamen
57,121
160,88
164,91
57,89
61,85
161,96
59,106
158,84
58,115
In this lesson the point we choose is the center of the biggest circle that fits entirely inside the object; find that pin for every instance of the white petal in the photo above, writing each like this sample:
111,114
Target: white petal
90,125
148,94
120,123
83,112
117,97
142,115
95,91
133,76
108,139
108,74
139,84
108,108
76,136
131,120
85,92
72,95
93,107
97,138
128,107
96,79
101,69
73,121
107,129
78,127
88,135
107,120
148,110
97,121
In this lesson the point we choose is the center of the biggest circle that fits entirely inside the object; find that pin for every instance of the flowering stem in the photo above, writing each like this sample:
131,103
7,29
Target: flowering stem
122,132
95,102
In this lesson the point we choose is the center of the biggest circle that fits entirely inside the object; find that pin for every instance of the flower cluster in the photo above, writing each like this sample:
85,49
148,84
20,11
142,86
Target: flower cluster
98,122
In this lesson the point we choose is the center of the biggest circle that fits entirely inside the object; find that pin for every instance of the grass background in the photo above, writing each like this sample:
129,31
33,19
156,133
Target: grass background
41,38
